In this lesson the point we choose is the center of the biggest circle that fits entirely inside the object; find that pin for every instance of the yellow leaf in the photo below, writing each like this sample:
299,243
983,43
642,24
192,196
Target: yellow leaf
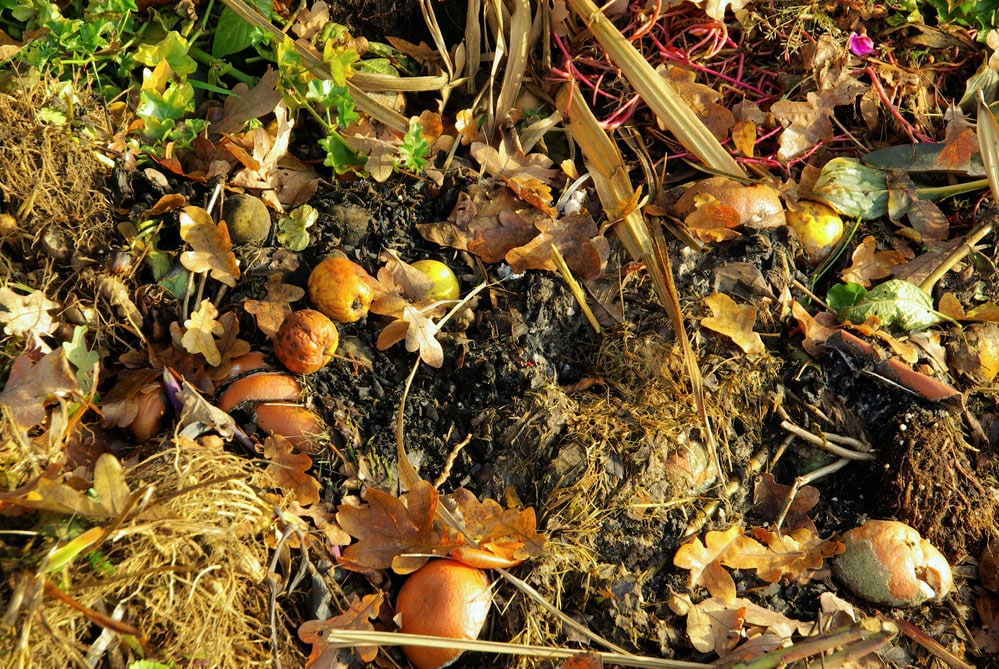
200,328
733,321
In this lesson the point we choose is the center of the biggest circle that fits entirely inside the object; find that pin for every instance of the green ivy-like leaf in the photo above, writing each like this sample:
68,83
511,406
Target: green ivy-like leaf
414,148
844,295
173,49
82,358
293,230
233,34
896,302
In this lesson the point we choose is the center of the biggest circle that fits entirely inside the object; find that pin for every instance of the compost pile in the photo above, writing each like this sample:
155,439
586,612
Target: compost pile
652,314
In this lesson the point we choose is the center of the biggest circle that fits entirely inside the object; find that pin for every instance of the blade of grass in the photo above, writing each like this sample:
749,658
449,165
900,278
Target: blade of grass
657,94
619,200
362,100
518,41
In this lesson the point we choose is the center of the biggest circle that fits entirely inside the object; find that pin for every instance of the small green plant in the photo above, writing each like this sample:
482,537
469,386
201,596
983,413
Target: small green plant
414,149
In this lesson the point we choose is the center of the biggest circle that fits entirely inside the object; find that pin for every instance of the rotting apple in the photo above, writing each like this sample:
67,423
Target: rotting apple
888,562
306,341
445,286
817,226
443,598
341,289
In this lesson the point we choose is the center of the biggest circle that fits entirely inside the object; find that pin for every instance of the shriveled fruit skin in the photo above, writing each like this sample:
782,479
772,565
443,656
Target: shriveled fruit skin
294,422
888,562
341,289
306,341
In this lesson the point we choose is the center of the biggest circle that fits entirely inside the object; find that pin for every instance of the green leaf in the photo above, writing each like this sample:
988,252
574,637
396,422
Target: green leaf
339,155
414,148
82,358
173,49
377,66
233,34
844,295
293,230
896,302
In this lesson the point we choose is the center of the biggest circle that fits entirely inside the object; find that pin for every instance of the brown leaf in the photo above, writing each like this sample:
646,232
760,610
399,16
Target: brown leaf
771,498
744,137
713,221
791,554
505,532
733,321
924,216
358,616
532,191
987,636
493,244
702,99
271,312
816,330
33,386
506,161
288,469
805,125
212,248
956,155
387,528
573,235
868,264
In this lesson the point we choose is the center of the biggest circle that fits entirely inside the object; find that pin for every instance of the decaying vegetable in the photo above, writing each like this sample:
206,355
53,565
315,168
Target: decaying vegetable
759,206
259,387
817,226
889,563
341,289
306,341
442,598
294,422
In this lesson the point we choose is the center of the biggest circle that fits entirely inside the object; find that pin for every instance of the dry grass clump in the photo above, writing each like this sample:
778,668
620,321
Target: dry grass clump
624,462
51,183
188,569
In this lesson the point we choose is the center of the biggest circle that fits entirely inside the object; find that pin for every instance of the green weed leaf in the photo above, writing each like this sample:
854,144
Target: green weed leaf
844,295
233,34
82,358
898,303
173,49
414,148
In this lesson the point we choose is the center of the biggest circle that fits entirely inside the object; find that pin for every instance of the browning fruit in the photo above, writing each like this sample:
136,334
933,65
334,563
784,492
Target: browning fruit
341,289
442,598
306,341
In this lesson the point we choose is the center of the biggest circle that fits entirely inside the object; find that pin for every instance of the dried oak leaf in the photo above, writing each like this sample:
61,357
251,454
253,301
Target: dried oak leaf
987,636
358,616
719,626
706,561
513,231
771,498
733,321
388,528
532,191
713,221
794,554
507,161
202,328
32,386
27,316
271,311
508,533
574,235
868,264
210,244
289,470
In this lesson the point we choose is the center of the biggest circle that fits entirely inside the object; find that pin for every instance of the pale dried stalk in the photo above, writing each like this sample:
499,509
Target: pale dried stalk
518,41
618,197
667,105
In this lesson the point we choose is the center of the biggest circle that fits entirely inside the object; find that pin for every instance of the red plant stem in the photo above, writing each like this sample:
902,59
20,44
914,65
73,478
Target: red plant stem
916,137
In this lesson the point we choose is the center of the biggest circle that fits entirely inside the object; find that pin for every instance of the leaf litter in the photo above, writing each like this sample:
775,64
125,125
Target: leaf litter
611,500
